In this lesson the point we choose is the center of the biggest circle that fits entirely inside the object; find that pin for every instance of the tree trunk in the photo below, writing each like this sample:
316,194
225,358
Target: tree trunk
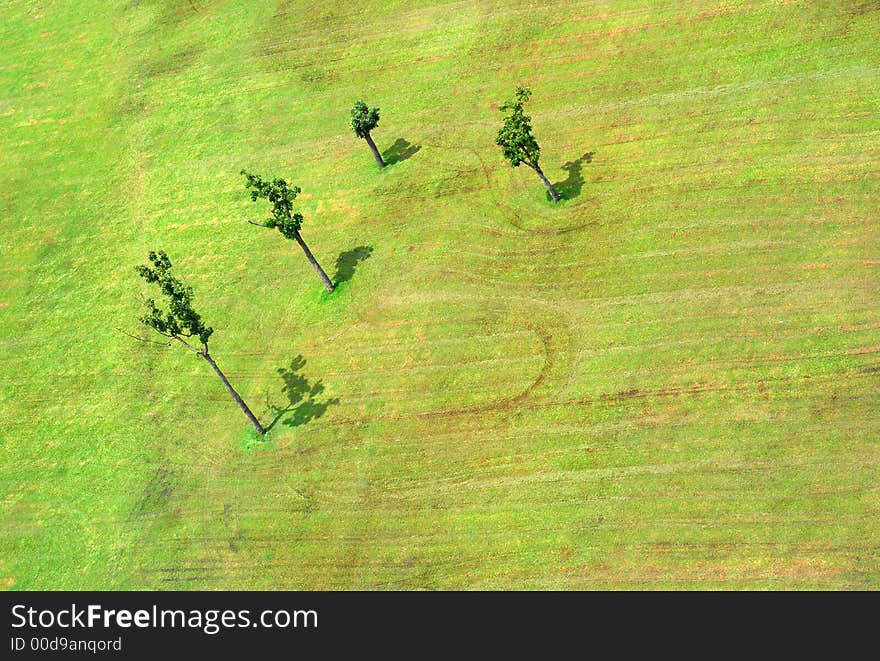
375,151
302,244
235,395
546,183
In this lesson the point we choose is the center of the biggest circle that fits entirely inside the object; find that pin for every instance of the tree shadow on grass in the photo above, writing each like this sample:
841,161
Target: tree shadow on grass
302,404
571,187
401,150
347,262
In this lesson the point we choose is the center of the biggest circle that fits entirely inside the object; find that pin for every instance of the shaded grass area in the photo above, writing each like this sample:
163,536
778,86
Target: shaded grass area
401,150
668,380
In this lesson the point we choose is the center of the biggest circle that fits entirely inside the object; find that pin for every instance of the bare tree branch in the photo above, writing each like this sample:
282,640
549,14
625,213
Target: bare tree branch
189,346
165,344
141,339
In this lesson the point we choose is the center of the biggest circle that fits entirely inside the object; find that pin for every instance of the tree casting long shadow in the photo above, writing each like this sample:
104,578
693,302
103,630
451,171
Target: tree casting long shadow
571,187
401,150
302,404
347,262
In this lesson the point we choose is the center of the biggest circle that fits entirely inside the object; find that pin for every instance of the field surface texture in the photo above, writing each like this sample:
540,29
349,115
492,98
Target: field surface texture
668,380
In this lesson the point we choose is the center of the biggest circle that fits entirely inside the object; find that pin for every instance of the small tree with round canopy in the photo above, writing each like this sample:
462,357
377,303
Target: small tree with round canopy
289,222
364,120
516,140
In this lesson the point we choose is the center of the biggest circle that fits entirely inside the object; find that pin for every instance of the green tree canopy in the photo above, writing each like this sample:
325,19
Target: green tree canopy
281,196
515,137
180,320
363,119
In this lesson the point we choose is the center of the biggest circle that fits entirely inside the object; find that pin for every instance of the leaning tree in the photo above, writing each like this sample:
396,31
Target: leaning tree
181,322
364,120
288,221
516,140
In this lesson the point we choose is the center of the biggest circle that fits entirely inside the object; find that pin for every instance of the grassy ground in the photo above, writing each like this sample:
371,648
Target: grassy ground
668,381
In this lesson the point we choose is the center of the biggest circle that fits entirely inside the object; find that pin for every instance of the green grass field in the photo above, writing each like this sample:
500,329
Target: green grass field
669,380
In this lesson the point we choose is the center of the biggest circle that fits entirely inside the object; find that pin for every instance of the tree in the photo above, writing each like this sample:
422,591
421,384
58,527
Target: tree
181,322
364,120
516,140
288,222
